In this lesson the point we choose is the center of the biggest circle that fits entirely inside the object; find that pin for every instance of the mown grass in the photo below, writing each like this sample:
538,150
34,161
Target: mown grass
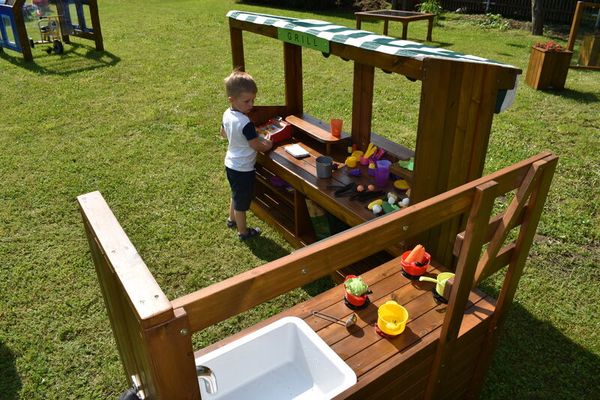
140,123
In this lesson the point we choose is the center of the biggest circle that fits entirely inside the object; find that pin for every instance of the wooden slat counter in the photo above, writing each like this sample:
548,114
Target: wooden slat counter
271,203
369,354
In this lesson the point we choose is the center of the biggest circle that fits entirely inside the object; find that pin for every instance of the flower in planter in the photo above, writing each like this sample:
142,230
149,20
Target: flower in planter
550,46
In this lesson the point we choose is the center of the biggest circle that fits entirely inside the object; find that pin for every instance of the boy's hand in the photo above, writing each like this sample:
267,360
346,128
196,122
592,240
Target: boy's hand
261,144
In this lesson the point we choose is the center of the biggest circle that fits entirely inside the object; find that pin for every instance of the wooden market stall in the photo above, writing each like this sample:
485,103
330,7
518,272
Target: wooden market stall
459,96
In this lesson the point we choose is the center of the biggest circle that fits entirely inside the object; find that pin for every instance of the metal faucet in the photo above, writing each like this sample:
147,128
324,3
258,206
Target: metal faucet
210,381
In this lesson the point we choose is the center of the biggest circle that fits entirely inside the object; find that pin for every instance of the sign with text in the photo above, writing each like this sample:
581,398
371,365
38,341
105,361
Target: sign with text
303,39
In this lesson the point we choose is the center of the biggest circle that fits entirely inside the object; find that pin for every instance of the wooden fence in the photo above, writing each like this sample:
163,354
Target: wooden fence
557,11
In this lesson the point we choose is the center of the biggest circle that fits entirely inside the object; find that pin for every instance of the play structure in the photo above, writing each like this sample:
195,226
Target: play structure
459,95
589,47
73,19
410,338
444,349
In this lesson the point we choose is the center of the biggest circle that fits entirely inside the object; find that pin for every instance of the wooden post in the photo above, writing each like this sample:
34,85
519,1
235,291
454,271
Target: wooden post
292,59
362,104
21,32
153,338
237,48
457,107
575,25
98,41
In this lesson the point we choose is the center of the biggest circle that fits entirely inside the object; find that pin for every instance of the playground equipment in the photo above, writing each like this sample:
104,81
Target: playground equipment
50,32
55,30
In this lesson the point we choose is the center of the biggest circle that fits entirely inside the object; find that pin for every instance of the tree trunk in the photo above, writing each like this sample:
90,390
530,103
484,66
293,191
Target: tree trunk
537,18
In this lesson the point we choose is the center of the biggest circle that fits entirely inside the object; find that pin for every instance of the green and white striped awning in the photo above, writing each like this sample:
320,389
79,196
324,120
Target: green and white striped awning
318,34
357,38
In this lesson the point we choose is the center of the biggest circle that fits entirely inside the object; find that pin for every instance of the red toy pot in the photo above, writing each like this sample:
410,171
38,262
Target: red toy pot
412,268
356,301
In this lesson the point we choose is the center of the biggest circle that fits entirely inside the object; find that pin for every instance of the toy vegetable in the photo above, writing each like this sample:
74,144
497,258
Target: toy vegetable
356,292
356,286
415,262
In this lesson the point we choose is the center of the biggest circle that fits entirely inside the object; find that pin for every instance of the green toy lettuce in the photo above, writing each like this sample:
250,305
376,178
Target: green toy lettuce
356,286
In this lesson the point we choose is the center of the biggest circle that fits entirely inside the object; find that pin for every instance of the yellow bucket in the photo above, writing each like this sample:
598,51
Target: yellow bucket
391,318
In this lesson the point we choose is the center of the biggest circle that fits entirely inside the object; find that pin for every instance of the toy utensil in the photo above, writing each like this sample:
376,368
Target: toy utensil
350,321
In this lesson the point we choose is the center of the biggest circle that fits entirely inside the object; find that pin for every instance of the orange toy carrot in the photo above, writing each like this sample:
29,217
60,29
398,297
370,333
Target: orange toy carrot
416,255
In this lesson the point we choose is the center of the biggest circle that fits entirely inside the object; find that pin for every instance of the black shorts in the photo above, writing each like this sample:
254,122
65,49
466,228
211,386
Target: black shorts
242,188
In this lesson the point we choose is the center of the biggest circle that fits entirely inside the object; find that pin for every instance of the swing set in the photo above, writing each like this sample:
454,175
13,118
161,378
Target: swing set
71,20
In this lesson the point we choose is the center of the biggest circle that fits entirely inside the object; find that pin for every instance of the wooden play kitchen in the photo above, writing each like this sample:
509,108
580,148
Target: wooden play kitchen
453,128
425,348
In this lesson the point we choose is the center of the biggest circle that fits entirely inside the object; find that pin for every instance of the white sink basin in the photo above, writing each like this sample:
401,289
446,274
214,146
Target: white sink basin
283,360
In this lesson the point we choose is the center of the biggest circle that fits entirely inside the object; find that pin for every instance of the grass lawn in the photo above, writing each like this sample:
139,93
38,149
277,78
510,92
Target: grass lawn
140,123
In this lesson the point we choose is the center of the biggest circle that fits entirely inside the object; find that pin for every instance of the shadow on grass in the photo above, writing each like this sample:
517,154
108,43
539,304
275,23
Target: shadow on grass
265,248
10,383
583,97
536,361
75,59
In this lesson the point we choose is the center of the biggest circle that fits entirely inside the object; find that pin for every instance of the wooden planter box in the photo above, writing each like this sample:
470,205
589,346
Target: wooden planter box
548,69
589,52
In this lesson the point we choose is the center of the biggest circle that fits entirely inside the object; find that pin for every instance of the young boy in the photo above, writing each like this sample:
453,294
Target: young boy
244,142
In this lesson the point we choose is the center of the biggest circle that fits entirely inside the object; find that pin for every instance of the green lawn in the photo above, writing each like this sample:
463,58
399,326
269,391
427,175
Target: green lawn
140,123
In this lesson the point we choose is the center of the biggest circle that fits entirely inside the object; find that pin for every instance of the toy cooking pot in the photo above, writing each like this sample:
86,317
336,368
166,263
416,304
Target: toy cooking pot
412,268
356,301
391,318
440,281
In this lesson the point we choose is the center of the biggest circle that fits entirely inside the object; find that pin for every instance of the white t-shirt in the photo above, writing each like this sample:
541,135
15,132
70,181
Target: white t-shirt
239,130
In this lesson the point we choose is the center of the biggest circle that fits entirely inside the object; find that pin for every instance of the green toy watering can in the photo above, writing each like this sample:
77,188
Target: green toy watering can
440,281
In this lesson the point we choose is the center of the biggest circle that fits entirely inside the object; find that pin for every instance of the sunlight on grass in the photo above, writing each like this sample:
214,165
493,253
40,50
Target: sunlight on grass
140,122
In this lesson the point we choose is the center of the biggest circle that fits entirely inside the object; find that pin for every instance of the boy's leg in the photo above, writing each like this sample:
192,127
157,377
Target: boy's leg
240,220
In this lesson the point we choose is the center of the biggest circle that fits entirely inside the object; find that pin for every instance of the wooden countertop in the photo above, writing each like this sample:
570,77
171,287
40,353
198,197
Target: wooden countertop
302,175
367,353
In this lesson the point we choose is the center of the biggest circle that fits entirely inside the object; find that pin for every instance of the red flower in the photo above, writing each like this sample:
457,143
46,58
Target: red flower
550,46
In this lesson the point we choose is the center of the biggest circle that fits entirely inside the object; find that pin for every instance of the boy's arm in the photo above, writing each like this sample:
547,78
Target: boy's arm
260,144
223,134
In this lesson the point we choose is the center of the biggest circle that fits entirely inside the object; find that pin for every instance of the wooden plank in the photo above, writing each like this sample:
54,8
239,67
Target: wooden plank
362,105
318,130
385,377
147,299
261,114
492,227
465,271
510,218
173,365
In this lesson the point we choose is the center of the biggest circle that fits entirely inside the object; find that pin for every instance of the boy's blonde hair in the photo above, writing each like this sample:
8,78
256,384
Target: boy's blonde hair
239,82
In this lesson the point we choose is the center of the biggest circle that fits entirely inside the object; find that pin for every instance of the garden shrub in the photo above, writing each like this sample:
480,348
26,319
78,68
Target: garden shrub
368,5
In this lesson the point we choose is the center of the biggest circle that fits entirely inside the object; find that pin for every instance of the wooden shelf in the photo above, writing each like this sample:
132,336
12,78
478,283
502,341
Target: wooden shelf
316,128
